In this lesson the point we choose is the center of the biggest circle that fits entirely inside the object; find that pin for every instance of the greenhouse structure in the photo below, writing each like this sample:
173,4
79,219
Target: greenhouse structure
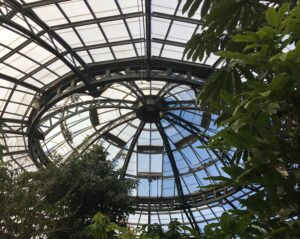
78,73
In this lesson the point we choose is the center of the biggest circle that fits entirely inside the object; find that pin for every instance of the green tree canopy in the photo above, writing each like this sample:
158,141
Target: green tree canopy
60,200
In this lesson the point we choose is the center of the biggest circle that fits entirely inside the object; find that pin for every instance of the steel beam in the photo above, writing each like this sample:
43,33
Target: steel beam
148,29
109,44
42,3
176,174
177,18
97,20
192,200
168,42
9,15
14,132
21,83
15,153
11,120
131,148
157,63
230,203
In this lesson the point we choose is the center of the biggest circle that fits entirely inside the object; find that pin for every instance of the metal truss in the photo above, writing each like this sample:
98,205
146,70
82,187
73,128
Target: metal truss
70,86
54,118
196,200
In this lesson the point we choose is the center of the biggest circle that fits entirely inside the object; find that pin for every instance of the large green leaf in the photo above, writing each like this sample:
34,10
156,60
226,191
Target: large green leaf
271,17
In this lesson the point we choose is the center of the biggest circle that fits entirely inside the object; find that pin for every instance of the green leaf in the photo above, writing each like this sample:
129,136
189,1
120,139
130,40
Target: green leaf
247,37
230,137
279,82
225,96
218,178
194,7
281,12
244,176
265,94
193,232
298,48
256,202
246,59
205,7
272,108
271,17
225,222
242,224
234,171
266,33
208,229
253,46
187,5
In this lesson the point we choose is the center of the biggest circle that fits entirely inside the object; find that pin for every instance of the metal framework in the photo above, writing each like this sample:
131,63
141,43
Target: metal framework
114,71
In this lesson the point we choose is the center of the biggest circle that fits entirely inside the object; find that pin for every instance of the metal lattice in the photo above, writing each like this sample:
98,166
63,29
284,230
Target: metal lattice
114,71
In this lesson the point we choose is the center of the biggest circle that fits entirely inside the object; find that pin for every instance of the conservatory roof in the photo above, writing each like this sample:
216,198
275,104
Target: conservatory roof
113,71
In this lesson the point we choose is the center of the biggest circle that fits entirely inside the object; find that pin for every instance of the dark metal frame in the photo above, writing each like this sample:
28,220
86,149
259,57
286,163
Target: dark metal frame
184,202
111,76
185,208
93,79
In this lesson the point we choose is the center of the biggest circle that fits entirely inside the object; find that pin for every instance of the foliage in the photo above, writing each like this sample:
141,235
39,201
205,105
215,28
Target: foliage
222,19
152,231
5,198
102,228
60,201
17,216
175,231
257,95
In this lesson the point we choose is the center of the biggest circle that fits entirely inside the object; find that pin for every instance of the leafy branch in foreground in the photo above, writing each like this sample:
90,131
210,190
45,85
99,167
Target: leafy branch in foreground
256,95
221,20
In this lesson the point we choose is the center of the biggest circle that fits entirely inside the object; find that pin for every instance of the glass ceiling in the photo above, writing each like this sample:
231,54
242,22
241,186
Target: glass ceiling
54,53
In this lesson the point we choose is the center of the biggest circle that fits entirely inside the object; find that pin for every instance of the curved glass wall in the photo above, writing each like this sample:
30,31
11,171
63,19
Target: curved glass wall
142,125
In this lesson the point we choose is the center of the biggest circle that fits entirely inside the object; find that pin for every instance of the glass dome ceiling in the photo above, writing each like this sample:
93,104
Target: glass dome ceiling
112,71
